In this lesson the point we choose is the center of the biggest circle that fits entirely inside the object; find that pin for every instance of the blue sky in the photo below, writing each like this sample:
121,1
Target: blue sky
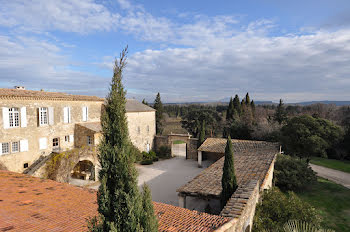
186,50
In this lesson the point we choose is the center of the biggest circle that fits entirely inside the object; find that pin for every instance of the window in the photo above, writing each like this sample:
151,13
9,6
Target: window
25,165
5,148
89,140
66,115
15,147
55,142
43,116
13,117
66,138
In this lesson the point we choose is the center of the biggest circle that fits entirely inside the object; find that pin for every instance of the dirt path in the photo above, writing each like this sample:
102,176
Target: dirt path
338,177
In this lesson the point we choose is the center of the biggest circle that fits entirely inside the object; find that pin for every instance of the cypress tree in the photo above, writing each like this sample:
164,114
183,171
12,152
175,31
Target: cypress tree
230,110
252,105
148,220
158,106
201,135
280,115
237,105
228,181
145,102
118,198
247,99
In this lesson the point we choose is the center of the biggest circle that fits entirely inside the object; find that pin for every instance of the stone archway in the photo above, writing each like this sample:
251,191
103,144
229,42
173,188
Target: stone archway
84,170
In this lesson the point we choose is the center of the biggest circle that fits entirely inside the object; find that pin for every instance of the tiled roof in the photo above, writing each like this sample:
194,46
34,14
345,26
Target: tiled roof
32,204
31,94
218,145
249,165
186,220
133,105
94,126
238,201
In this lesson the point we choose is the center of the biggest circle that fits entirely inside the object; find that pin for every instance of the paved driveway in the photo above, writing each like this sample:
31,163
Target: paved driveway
338,177
164,177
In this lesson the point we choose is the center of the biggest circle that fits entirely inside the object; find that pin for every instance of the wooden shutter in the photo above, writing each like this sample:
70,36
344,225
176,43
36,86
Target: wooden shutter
65,114
23,117
71,138
5,117
69,115
38,116
51,116
84,113
42,143
23,145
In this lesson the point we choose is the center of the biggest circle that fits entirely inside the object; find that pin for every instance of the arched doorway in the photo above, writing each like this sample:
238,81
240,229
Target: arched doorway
179,148
84,170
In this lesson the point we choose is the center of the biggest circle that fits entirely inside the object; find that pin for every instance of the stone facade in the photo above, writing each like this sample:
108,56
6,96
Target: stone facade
33,132
61,129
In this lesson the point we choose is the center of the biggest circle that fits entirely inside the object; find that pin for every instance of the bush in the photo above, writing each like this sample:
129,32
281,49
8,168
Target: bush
135,153
277,208
147,162
164,152
292,173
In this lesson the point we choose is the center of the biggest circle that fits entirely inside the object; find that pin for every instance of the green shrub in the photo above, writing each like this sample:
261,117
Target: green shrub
292,173
147,162
164,152
277,208
135,154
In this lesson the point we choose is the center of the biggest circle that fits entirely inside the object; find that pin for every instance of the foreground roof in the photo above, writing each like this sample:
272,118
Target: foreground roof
31,204
218,145
251,164
43,95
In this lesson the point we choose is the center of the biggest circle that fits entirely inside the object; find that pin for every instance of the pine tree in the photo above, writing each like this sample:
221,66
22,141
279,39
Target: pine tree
118,198
228,181
148,220
247,99
280,115
201,135
158,106
237,105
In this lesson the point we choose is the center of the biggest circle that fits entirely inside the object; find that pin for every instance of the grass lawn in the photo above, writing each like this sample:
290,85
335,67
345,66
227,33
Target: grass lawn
332,201
331,163
178,142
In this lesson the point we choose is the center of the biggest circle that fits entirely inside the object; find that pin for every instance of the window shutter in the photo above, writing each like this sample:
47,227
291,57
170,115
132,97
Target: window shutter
23,117
42,143
0,148
71,138
5,117
65,114
23,145
84,113
69,115
38,116
51,116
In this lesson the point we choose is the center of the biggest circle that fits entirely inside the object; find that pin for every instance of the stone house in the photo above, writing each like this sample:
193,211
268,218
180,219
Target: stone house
34,124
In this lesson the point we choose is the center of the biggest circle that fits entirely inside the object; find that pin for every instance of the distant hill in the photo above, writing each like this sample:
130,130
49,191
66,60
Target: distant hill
337,103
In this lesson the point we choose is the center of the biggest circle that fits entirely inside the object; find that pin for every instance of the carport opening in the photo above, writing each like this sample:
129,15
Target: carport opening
84,170
179,148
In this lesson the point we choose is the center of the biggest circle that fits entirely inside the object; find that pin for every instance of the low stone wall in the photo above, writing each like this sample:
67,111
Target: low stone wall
192,149
269,176
160,141
241,208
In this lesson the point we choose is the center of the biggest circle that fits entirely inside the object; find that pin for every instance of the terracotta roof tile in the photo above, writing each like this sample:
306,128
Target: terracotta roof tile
218,145
31,94
32,204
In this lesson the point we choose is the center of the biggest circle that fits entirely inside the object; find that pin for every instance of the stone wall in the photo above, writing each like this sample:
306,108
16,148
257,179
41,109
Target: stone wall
142,129
269,176
167,140
32,132
241,208
192,149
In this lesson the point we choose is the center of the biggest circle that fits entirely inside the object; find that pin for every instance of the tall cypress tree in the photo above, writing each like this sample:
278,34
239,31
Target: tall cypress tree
228,181
237,105
148,220
158,106
201,135
280,115
144,102
229,112
247,99
119,201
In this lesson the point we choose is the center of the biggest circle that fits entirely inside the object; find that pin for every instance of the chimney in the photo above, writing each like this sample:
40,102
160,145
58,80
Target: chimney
20,87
